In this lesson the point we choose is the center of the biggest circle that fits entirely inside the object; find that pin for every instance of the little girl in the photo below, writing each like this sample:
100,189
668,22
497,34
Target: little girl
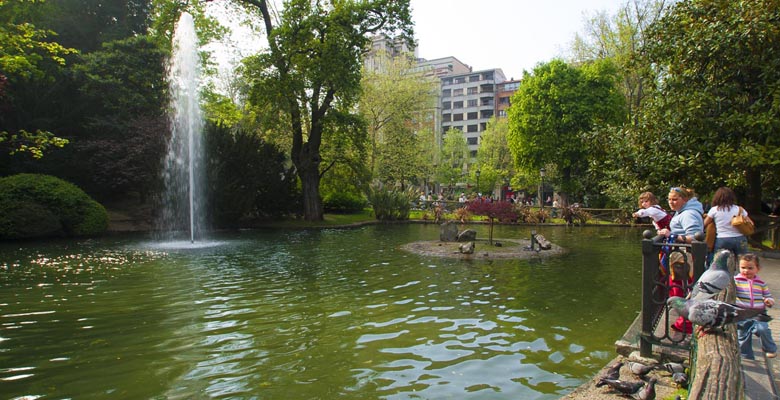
649,207
752,292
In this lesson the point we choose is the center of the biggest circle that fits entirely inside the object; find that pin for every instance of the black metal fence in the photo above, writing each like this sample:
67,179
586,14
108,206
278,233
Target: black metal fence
657,320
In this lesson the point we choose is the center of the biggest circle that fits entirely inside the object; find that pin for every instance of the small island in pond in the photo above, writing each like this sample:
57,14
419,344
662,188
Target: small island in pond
453,243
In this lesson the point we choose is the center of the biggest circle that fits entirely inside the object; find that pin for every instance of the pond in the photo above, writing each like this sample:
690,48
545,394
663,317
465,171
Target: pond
312,314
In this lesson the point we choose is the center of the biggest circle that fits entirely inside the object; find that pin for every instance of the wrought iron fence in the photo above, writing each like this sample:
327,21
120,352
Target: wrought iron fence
657,319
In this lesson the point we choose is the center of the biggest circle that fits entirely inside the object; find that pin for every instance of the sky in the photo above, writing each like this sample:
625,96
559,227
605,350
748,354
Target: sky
513,35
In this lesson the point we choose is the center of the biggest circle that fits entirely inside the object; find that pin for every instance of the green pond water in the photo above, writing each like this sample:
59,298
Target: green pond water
316,314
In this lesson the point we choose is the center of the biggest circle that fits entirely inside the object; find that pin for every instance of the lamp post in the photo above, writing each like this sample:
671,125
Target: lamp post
542,172
478,172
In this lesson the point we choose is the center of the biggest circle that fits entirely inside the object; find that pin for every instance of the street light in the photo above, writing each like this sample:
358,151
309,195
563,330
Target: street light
478,172
542,172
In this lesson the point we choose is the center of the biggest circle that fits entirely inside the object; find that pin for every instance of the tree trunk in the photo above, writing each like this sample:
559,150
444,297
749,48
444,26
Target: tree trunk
312,204
753,195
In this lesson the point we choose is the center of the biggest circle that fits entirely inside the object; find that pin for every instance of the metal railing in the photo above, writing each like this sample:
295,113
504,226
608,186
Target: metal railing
656,319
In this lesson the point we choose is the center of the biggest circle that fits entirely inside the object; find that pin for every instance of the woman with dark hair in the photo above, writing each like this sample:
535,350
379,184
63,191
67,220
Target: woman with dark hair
724,207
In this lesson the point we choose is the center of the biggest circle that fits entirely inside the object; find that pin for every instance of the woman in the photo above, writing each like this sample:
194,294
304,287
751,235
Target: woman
687,220
685,223
724,207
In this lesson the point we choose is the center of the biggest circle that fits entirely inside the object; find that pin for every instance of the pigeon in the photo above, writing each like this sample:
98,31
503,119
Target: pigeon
680,378
646,393
612,373
674,367
712,314
716,278
639,369
624,387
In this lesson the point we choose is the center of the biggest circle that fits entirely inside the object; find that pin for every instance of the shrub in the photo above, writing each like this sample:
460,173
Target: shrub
343,202
33,205
391,204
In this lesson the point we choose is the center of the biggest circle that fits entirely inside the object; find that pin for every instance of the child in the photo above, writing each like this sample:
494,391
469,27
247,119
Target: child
752,292
649,207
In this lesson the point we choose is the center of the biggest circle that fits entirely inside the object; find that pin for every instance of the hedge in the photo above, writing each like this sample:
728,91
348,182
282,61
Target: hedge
33,205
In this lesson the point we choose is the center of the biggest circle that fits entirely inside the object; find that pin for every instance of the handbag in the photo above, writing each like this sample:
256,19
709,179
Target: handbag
743,223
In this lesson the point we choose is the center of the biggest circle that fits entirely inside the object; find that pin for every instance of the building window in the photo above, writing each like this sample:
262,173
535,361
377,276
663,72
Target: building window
473,154
474,78
486,101
460,79
457,117
486,113
457,92
471,90
446,105
446,81
502,113
472,103
483,126
446,93
457,104
488,76
471,128
471,140
473,115
503,100
446,117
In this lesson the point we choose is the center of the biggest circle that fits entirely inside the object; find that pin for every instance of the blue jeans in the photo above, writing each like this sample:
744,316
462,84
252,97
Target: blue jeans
746,330
738,245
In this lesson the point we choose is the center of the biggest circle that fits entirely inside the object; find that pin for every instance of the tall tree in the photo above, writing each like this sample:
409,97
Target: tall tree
454,157
619,38
553,109
717,68
394,94
311,69
494,160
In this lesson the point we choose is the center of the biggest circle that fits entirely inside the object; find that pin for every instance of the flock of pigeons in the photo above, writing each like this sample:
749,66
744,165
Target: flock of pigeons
703,310
638,389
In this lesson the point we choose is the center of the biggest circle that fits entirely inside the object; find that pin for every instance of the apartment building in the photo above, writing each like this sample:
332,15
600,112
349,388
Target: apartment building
504,92
468,101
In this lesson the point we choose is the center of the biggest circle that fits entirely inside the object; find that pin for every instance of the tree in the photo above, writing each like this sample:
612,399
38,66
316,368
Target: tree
494,160
395,96
310,72
715,109
493,210
619,38
454,157
551,112
25,53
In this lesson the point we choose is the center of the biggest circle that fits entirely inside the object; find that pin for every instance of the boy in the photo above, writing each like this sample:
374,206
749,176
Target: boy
752,292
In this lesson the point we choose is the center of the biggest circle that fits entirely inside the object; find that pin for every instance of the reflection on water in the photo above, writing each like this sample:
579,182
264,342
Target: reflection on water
312,314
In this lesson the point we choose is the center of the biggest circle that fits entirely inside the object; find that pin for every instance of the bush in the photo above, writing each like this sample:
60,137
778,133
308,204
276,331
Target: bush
33,205
391,205
343,202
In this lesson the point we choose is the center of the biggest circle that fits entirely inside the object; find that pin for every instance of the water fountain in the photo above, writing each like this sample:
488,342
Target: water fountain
183,173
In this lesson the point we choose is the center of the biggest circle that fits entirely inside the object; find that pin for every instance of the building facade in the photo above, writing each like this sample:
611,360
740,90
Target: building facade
468,101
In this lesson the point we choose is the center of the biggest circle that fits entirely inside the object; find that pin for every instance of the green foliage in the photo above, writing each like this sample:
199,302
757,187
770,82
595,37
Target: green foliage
261,189
34,205
715,109
344,202
311,73
391,204
454,157
553,110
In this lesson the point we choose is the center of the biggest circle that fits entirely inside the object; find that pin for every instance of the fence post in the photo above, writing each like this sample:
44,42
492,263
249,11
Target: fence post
649,269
